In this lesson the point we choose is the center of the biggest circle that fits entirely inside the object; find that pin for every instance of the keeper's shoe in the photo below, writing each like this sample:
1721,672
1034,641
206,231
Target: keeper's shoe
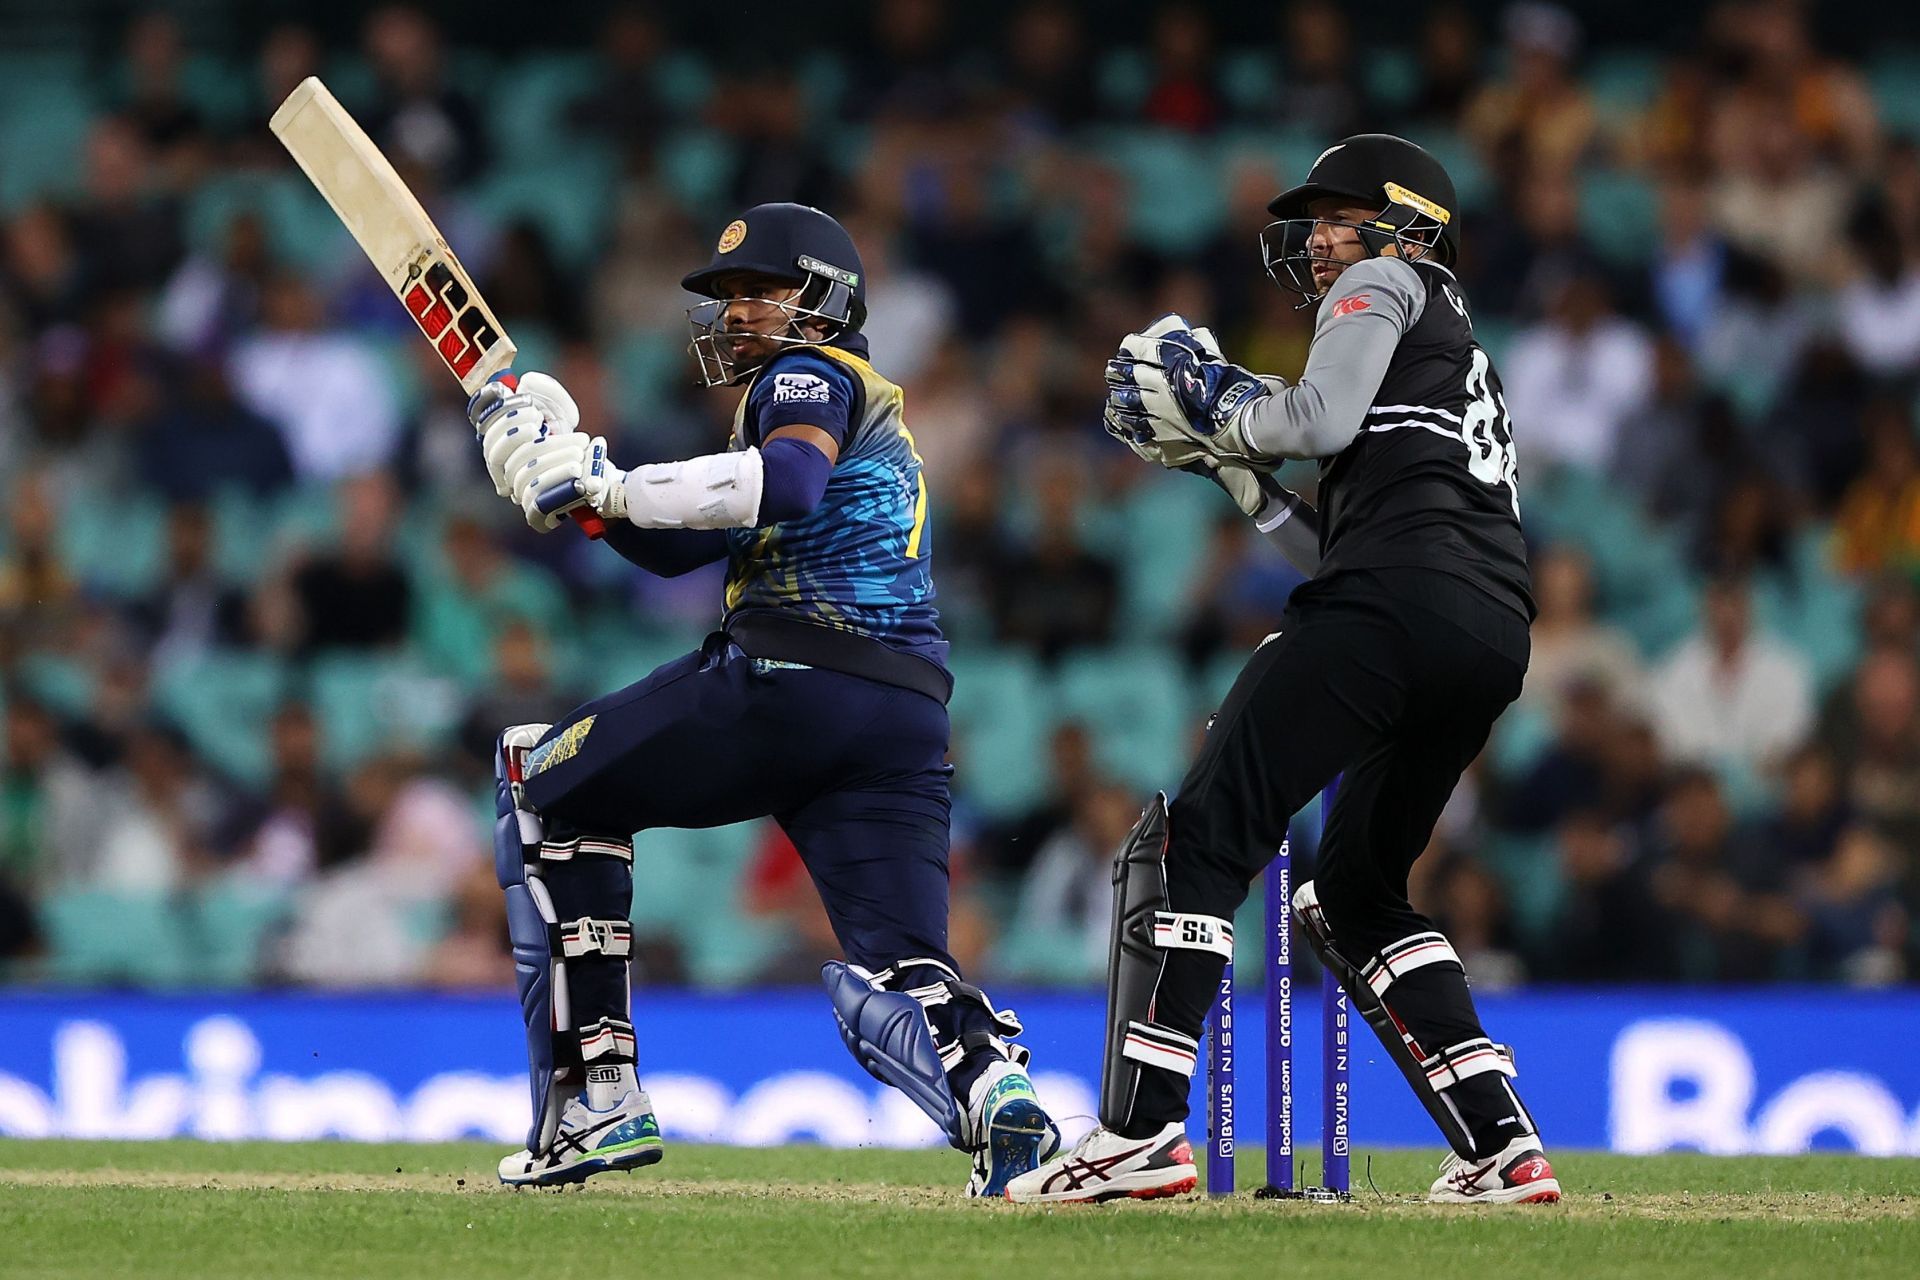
1017,1135
1105,1166
625,1136
1518,1174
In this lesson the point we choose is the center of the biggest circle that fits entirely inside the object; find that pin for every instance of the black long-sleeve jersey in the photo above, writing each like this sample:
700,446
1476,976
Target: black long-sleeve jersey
1431,480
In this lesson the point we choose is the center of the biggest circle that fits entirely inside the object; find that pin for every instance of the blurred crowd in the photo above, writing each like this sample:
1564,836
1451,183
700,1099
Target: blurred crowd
261,613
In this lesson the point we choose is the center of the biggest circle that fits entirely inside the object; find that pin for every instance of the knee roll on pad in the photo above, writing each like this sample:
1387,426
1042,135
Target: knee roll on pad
542,943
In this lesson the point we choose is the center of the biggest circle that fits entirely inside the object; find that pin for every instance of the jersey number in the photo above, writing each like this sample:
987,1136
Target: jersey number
1488,432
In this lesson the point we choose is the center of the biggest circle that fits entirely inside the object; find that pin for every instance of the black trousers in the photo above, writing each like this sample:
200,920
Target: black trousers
1392,677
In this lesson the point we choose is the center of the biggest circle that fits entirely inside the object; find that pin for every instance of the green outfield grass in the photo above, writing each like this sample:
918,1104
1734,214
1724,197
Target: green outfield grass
260,1210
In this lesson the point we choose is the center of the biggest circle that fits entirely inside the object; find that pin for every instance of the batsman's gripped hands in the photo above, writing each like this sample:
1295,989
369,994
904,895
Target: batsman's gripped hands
517,425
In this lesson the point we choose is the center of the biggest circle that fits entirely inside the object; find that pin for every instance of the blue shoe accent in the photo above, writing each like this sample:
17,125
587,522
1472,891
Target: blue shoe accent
1016,1142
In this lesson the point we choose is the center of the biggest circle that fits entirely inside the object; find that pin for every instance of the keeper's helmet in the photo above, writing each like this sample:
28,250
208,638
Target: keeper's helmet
791,242
1418,211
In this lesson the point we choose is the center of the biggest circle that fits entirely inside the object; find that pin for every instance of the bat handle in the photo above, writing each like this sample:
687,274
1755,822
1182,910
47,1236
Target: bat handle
589,521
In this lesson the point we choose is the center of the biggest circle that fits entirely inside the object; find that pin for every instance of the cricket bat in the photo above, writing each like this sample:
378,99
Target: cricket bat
400,239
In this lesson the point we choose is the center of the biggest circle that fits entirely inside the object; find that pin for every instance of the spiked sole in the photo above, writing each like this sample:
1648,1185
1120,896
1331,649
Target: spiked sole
637,1154
1546,1191
1019,1132
1163,1192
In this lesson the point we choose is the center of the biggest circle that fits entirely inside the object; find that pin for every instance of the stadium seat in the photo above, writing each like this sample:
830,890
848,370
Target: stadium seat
528,110
300,227
1163,530
1895,81
222,702
45,116
116,939
1136,704
696,165
1250,82
1623,83
63,682
565,190
229,924
823,81
1123,80
455,629
367,704
643,365
1000,727
704,870
1393,78
1289,153
1175,198
117,548
1528,868
1520,737
1619,213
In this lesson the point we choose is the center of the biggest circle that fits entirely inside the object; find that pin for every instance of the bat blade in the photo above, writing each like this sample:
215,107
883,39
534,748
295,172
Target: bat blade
394,231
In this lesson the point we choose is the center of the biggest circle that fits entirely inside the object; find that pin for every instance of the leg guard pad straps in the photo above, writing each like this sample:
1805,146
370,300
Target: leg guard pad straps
587,936
1465,1060
607,1042
1172,929
1429,1073
1162,1047
936,986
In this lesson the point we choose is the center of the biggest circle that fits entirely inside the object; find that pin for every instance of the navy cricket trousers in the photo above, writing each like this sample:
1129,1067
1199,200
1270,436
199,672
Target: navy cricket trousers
854,770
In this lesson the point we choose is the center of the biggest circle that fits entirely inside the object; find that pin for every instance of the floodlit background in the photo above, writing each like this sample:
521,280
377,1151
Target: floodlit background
261,613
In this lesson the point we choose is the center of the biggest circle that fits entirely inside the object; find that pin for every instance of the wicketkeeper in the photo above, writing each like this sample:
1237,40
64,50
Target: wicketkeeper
1390,667
821,702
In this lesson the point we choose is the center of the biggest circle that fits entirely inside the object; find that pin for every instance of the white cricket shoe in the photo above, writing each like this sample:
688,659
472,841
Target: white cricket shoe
624,1136
1014,1132
1105,1166
1517,1174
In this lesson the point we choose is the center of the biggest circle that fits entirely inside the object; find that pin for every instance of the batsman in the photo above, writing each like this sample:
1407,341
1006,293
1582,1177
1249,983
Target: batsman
820,701
1391,664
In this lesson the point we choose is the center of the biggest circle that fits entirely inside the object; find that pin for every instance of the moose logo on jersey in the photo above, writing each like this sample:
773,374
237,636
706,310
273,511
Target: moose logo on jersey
459,328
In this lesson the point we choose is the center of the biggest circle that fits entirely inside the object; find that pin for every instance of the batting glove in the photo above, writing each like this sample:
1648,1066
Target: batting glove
511,421
572,471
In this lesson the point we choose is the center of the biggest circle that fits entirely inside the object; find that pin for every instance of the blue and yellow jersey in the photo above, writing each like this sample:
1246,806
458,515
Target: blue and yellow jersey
862,560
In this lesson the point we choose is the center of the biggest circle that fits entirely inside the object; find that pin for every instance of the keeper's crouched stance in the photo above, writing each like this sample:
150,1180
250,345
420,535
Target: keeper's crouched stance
1390,668
821,703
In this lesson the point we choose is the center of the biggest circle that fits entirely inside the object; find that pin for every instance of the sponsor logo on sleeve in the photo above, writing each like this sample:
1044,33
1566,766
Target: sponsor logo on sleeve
800,388
1352,303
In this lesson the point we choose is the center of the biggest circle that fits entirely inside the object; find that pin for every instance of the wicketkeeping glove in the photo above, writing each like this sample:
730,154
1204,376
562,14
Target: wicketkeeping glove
1171,391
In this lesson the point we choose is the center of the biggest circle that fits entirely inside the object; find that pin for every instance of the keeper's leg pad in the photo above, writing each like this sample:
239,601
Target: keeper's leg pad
1438,1074
591,941
1144,930
888,1033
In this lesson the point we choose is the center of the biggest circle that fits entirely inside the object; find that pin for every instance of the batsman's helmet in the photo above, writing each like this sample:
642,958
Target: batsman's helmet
792,242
